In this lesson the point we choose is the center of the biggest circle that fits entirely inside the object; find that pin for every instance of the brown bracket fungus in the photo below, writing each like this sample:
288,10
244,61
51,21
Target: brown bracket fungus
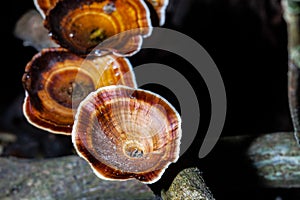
126,133
81,25
56,80
43,6
160,7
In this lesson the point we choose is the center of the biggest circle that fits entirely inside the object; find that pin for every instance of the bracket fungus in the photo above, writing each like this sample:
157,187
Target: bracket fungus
56,80
81,25
160,7
126,133
43,6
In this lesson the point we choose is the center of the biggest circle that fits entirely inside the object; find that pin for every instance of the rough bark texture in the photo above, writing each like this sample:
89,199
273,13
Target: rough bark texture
70,177
276,158
293,95
188,185
67,177
291,13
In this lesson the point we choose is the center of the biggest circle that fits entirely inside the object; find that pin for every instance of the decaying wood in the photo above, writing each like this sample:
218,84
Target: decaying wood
291,14
70,177
276,158
188,185
67,177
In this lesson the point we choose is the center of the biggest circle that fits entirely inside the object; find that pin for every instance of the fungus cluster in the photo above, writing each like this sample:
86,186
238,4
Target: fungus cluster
122,131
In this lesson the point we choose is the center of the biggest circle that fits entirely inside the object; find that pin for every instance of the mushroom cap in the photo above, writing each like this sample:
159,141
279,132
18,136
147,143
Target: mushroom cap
81,25
43,6
126,133
160,7
56,81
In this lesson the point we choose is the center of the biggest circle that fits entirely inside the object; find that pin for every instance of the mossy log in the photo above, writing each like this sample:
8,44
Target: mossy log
188,185
276,158
67,177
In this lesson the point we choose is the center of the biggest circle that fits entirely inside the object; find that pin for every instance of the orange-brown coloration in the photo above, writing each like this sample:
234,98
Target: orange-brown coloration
160,8
56,81
81,25
43,6
127,133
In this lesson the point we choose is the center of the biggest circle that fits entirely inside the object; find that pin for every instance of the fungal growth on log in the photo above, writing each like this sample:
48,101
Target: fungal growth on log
43,6
127,133
160,7
85,87
56,80
82,25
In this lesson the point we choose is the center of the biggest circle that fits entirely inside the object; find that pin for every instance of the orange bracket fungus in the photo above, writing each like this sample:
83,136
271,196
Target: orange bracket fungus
126,133
56,80
160,8
81,25
43,6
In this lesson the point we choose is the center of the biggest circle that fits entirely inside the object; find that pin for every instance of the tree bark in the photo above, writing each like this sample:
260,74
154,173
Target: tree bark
291,14
188,185
70,177
67,177
276,158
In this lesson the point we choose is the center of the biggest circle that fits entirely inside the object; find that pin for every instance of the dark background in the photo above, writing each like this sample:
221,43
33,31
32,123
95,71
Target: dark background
246,39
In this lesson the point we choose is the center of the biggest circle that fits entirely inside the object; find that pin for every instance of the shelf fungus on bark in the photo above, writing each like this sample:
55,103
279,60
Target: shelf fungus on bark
81,25
43,6
126,133
160,7
56,81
